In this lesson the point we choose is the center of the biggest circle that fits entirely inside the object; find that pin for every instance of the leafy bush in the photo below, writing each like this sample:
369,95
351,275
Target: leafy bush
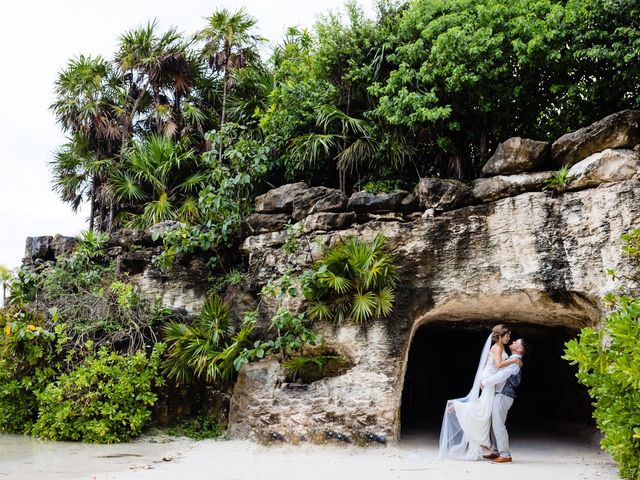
30,357
354,281
608,360
609,365
106,399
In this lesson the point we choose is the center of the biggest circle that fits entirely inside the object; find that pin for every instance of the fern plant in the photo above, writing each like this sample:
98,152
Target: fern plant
354,281
207,349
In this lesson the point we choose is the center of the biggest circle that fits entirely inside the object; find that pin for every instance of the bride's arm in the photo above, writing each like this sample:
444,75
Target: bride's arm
496,351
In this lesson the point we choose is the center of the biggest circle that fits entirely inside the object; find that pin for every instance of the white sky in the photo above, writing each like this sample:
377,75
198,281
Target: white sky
38,37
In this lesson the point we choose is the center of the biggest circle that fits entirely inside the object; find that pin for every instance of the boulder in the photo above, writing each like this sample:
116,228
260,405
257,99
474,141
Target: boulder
494,188
318,199
442,195
62,245
397,201
279,200
517,155
264,222
328,221
159,229
604,167
620,130
38,247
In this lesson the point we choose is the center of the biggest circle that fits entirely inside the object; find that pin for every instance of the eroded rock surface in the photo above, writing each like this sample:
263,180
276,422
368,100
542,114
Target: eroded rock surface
517,155
442,195
503,186
620,130
533,259
605,167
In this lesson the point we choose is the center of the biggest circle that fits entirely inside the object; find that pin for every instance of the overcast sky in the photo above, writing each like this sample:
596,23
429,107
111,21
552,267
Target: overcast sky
38,38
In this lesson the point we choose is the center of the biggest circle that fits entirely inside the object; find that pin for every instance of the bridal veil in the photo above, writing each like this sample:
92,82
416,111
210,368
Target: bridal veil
467,420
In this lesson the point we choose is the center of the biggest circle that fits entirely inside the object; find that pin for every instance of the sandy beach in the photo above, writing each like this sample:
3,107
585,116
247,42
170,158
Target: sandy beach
162,458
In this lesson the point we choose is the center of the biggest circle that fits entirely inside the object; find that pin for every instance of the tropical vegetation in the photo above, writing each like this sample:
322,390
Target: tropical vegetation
608,360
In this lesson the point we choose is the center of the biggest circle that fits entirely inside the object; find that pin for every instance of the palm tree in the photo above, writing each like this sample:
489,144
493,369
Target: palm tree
5,278
208,348
350,142
228,44
150,61
163,175
86,107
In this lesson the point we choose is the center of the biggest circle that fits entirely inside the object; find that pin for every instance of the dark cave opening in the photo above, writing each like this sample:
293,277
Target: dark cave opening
442,362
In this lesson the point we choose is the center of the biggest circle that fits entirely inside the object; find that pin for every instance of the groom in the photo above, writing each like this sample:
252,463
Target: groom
506,380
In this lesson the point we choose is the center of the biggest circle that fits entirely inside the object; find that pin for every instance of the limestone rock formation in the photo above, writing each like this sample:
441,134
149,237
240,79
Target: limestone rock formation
264,222
620,130
397,201
279,200
503,186
442,195
328,221
517,155
318,199
535,259
603,167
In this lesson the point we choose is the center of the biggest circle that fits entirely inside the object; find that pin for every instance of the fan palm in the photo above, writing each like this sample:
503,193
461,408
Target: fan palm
152,62
355,281
205,350
228,44
86,106
158,180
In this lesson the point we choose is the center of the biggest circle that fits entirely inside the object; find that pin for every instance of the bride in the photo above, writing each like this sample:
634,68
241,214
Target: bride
467,421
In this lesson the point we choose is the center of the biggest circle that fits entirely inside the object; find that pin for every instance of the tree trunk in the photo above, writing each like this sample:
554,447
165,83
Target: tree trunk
224,104
93,203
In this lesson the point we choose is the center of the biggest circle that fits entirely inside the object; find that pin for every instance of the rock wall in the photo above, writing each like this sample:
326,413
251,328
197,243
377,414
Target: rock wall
518,255
500,250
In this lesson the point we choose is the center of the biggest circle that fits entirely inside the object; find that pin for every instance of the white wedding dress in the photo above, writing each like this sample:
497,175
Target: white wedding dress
467,421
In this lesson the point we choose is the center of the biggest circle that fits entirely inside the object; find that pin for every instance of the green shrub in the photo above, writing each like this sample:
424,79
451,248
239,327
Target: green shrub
106,399
608,360
30,357
609,365
559,181
354,281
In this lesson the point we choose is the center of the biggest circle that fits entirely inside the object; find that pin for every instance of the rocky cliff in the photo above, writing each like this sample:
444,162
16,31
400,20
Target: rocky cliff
500,250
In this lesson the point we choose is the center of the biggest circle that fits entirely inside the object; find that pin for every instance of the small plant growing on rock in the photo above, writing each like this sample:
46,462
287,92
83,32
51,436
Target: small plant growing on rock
354,281
560,180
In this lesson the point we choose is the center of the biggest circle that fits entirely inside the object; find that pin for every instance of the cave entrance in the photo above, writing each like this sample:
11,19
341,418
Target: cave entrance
442,362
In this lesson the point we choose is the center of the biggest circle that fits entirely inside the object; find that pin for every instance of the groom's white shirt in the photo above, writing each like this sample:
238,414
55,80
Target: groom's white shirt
500,377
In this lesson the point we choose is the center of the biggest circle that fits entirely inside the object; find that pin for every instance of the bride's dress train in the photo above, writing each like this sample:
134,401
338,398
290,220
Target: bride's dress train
467,421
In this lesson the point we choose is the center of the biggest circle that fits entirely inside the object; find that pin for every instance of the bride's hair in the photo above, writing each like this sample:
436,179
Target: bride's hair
498,331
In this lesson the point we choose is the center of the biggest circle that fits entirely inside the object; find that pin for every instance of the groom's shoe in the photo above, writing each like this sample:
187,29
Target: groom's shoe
490,456
502,460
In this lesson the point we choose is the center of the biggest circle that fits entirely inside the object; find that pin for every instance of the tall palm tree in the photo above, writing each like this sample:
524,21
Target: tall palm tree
86,107
5,278
151,61
228,44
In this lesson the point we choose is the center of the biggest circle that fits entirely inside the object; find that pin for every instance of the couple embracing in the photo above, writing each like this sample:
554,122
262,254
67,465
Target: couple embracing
478,420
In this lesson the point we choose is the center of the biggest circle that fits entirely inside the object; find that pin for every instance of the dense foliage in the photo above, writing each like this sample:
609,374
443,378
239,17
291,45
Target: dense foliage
79,355
608,360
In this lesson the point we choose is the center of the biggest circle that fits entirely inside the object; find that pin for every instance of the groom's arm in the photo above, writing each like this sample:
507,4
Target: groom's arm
501,375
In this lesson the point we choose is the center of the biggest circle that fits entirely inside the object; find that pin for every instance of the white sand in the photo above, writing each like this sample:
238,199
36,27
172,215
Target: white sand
535,458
